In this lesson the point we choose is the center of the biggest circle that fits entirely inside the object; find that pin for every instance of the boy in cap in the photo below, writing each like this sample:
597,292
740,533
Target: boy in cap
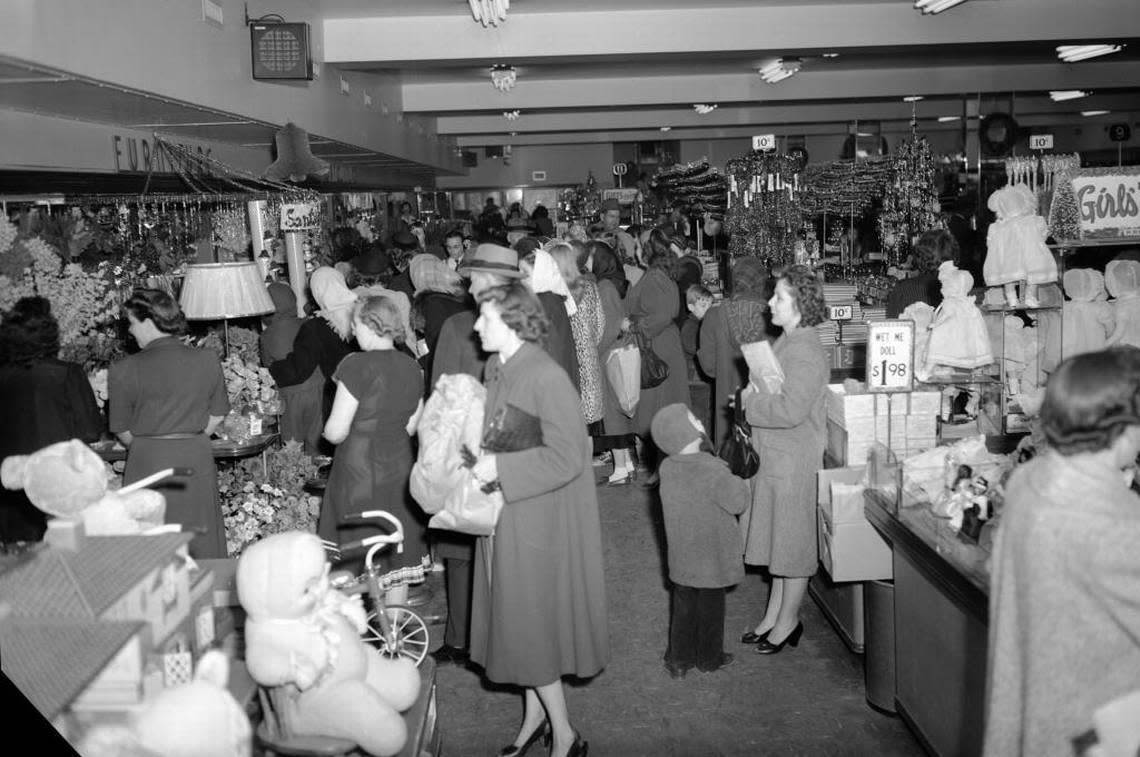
700,499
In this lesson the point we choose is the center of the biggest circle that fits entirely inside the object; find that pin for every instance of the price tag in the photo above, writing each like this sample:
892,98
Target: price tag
840,312
299,216
620,169
764,142
890,356
1041,142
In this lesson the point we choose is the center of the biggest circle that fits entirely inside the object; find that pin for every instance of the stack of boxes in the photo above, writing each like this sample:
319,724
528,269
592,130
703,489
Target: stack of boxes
856,422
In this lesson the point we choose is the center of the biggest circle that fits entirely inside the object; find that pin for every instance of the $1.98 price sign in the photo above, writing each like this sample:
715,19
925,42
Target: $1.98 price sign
890,356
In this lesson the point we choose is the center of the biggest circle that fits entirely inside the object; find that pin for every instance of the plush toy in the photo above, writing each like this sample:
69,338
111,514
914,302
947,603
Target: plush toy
1122,277
958,336
68,480
303,637
1015,245
197,719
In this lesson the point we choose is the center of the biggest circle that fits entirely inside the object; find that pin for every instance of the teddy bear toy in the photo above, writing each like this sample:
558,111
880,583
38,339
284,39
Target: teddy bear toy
1015,246
196,719
303,638
69,480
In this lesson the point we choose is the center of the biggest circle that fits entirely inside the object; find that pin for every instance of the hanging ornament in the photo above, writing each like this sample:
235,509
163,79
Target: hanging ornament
295,161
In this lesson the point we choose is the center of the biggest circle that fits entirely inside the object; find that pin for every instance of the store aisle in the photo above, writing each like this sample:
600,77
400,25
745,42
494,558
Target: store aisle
803,701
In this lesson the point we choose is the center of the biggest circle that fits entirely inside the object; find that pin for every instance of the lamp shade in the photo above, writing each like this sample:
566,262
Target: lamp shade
216,291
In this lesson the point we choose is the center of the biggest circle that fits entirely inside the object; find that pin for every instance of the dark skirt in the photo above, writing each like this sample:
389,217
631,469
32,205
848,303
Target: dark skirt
191,501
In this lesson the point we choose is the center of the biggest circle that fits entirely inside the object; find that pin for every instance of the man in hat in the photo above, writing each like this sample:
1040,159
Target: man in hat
404,246
611,220
459,350
517,229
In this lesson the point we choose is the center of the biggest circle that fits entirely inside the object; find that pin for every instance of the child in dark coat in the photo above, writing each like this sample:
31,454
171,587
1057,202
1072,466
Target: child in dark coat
700,499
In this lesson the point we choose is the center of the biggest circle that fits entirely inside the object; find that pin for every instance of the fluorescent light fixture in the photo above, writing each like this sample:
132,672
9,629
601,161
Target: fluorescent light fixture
912,98
1095,112
948,119
1074,53
704,109
935,6
511,115
503,77
779,69
1060,95
831,55
666,128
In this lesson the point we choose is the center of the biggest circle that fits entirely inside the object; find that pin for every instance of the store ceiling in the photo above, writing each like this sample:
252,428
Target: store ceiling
619,70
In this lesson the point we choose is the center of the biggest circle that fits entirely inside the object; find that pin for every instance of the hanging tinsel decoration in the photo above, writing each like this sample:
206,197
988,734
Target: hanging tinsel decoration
910,205
694,186
763,211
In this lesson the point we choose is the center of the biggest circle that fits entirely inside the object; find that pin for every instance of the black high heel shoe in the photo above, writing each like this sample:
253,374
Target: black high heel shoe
751,637
793,639
543,732
580,747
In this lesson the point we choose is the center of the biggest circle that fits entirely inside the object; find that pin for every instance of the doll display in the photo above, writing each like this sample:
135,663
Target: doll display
303,640
1015,246
1122,278
1085,321
958,335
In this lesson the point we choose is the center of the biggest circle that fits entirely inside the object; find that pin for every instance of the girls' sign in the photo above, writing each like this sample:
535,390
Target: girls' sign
1108,201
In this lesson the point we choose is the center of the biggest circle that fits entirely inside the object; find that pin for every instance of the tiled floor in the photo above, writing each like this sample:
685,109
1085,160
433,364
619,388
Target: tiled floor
804,701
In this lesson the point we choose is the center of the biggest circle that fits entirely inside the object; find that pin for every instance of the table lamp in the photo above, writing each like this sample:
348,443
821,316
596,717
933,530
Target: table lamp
221,291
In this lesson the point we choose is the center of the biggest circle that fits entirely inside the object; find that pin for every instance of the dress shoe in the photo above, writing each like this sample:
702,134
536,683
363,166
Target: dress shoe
725,660
751,637
676,670
448,654
580,747
648,482
793,639
621,477
542,732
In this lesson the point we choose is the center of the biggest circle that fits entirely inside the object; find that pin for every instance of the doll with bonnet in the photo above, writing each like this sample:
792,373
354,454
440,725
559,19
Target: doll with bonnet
1085,323
1015,246
958,335
1122,277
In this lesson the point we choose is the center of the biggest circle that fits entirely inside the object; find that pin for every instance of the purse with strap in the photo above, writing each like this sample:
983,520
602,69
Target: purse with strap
654,370
736,449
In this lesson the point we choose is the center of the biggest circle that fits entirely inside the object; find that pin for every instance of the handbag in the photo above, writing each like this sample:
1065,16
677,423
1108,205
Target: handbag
654,370
736,449
512,430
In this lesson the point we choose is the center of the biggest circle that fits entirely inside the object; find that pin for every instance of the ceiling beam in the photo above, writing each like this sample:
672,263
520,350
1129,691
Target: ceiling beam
768,28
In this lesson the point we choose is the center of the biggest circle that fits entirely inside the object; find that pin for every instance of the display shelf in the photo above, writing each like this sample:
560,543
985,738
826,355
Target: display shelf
958,380
1017,308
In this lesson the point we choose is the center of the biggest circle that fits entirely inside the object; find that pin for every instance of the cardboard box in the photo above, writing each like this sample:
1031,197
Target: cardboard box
848,505
921,426
853,551
843,408
842,605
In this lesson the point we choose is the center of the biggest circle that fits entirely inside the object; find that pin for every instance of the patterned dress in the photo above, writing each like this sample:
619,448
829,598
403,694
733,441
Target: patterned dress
587,325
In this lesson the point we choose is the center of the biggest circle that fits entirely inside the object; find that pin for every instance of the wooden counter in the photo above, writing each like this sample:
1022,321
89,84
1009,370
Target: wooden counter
941,624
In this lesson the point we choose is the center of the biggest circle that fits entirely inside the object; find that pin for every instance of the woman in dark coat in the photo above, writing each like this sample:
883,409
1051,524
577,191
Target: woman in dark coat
788,431
43,400
651,306
538,608
302,416
617,427
439,295
165,401
741,319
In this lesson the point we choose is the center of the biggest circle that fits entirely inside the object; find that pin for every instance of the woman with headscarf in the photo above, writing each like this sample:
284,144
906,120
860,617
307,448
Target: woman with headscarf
323,341
741,319
439,295
617,428
544,280
301,403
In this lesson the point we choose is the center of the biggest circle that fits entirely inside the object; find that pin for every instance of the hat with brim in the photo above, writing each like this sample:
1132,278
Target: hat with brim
405,240
371,263
520,224
491,258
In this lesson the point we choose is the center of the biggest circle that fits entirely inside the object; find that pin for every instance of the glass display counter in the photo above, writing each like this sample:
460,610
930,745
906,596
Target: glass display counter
941,597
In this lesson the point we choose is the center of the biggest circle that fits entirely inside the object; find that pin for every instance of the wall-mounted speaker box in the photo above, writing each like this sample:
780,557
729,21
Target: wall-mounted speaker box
280,51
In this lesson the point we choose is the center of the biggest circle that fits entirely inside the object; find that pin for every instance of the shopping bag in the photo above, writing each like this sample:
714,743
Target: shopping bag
472,507
623,370
452,418
736,449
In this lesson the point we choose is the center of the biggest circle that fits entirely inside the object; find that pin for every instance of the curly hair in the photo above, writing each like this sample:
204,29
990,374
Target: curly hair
29,333
659,254
1091,399
750,278
381,315
158,306
808,293
934,247
520,310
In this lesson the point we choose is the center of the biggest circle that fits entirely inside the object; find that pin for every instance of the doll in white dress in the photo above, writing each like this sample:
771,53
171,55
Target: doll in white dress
958,335
1015,246
1085,321
1122,277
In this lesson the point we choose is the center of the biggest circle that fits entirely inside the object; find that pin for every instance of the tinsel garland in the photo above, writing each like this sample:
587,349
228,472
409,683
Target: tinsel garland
764,214
910,205
694,185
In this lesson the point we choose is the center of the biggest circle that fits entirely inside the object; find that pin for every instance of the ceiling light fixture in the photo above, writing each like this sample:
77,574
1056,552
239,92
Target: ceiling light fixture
1074,53
912,98
831,55
779,69
503,77
511,115
666,128
1060,95
948,119
935,6
493,12
703,109
1087,113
